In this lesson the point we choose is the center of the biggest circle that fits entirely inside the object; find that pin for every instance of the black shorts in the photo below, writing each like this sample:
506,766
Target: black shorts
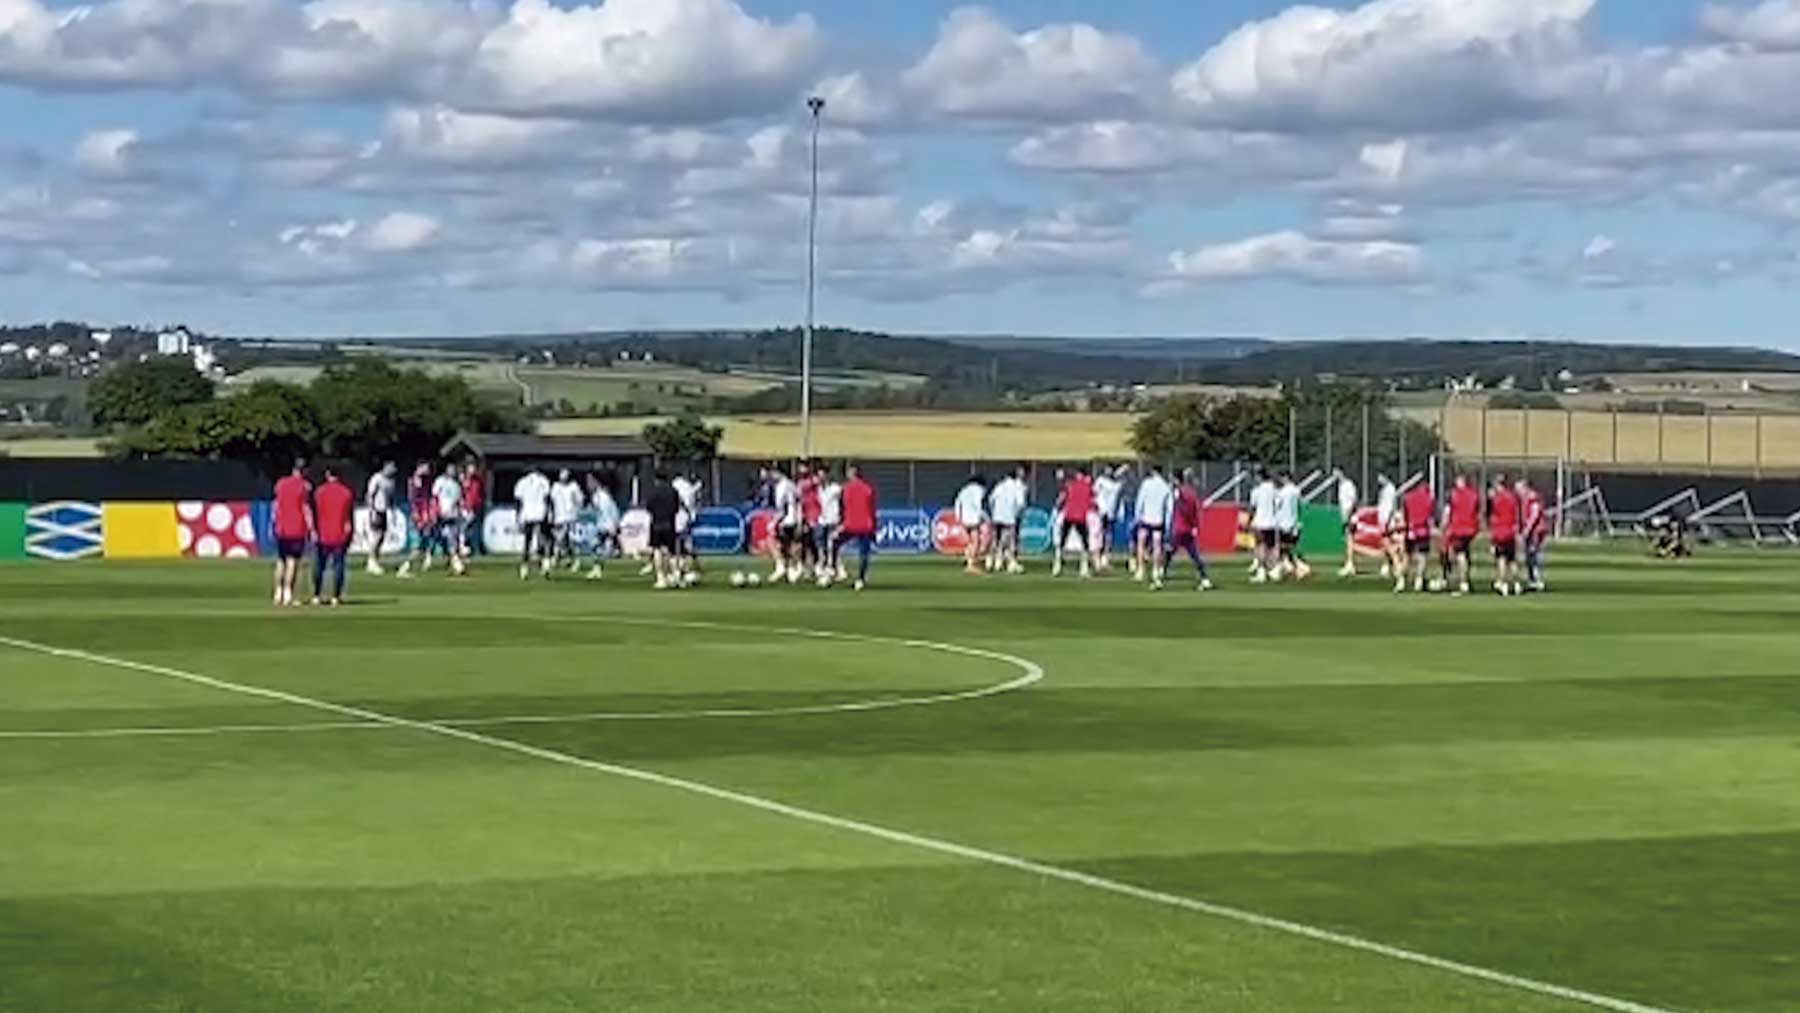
1079,527
378,524
1265,537
1506,550
1459,544
663,536
787,535
1150,529
1418,545
1289,539
290,548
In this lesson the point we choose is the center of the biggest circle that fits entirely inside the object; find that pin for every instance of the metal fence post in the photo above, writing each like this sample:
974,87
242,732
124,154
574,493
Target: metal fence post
1293,439
1328,460
1365,446
912,483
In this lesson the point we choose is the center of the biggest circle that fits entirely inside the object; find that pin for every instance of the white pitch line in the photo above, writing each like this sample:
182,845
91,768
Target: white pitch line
973,854
1033,673
195,731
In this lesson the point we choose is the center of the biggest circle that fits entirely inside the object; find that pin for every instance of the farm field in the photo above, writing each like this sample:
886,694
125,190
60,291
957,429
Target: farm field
989,436
947,793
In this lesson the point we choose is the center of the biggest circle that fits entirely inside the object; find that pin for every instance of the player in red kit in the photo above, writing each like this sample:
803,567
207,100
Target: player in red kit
1417,509
1076,503
1462,522
334,514
1503,532
1185,526
859,522
293,526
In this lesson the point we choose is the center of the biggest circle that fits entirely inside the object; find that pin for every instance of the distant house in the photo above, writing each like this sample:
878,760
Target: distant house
175,342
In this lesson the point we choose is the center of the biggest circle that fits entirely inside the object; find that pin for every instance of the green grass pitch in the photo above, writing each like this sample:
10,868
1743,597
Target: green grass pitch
1597,789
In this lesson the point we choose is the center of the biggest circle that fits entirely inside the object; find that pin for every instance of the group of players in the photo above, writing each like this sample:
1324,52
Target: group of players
1086,512
1411,526
819,512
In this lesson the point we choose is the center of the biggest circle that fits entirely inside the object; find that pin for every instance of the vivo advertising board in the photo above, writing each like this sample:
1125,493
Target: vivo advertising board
903,532
1035,531
718,531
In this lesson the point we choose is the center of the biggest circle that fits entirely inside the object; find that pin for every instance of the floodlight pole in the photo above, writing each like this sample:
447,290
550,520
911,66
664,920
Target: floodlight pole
816,106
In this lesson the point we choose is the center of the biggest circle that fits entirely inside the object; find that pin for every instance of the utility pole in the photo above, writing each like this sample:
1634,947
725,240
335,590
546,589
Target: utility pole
816,106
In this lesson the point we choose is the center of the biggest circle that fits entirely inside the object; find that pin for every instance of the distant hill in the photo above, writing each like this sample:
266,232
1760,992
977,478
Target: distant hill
1024,364
1161,349
1424,361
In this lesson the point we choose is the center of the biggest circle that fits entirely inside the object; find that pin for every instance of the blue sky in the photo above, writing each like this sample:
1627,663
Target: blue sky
1595,169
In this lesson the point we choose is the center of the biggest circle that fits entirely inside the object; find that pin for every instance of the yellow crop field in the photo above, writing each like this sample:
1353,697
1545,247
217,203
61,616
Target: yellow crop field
983,436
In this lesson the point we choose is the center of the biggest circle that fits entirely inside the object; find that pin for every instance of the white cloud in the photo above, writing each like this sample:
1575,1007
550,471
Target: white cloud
979,67
1772,24
402,231
106,154
452,137
1294,256
644,59
1598,247
1396,65
615,59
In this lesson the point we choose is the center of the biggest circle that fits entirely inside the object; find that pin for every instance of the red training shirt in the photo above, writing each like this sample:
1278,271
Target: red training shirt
1187,512
1078,497
1465,511
859,508
474,493
291,494
810,508
1534,514
1503,519
334,510
1419,505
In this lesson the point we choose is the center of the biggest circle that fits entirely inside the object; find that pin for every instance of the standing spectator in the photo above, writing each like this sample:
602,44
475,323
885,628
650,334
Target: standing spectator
293,525
334,511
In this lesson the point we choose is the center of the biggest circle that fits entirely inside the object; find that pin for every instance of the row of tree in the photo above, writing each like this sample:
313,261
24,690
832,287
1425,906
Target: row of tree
1319,426
365,410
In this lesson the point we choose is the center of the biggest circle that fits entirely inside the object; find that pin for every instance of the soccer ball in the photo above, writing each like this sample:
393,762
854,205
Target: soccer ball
1437,586
753,579
825,580
738,578
690,579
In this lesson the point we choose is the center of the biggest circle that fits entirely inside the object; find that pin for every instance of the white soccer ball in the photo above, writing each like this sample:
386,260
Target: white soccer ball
738,578
824,580
753,579
690,579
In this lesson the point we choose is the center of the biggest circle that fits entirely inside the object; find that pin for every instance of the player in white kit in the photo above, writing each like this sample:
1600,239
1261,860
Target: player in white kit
971,513
1006,508
1155,510
1262,528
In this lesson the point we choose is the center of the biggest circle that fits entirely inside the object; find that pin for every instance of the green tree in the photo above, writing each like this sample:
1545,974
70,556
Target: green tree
684,439
135,393
370,411
268,425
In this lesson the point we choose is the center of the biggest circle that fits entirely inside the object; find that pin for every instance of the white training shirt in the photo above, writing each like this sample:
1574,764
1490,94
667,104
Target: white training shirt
1387,505
380,497
1007,501
1106,494
448,493
787,502
565,502
1287,508
1262,506
533,495
606,511
971,506
1347,499
688,492
831,504
1155,500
